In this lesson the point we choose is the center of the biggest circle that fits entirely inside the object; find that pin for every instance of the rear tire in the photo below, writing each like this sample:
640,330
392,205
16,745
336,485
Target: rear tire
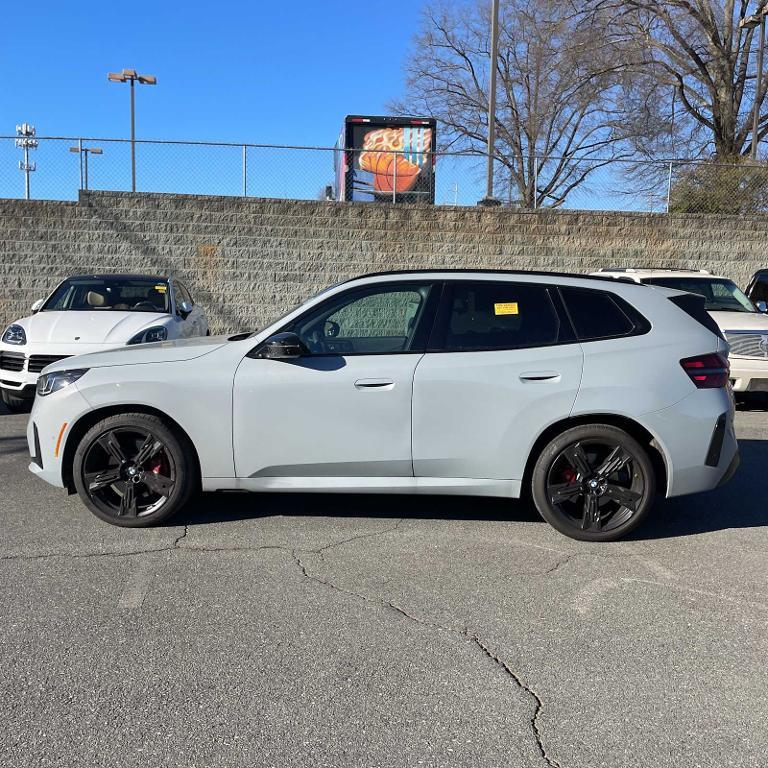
14,403
594,483
133,471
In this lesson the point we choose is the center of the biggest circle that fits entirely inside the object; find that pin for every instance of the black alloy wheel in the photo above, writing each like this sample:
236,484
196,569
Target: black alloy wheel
132,471
594,483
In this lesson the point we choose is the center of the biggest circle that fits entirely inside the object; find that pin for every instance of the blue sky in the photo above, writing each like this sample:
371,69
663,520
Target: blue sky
237,71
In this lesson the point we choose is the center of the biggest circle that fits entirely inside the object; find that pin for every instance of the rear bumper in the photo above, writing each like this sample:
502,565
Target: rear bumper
731,471
688,432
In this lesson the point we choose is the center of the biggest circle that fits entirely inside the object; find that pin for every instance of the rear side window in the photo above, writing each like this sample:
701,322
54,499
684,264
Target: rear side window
601,315
492,316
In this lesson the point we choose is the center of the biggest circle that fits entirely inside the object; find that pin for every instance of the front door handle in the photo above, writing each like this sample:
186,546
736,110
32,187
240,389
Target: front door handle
375,384
540,376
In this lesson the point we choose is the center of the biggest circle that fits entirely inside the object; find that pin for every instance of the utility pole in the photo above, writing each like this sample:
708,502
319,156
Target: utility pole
25,142
489,199
751,22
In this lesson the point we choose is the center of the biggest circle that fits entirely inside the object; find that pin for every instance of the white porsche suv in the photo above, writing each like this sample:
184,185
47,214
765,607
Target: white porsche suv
588,395
91,313
744,325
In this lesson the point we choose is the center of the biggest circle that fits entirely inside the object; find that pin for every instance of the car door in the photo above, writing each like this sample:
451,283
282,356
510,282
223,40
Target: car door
343,409
502,364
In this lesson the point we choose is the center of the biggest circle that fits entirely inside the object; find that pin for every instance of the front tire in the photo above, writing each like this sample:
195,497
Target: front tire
133,471
14,403
594,483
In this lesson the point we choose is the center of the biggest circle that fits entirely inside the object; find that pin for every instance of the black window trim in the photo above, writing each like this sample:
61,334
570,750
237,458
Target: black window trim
186,290
421,334
437,336
639,322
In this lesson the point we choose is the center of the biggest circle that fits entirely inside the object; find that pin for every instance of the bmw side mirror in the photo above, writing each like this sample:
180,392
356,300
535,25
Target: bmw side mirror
281,346
184,309
761,306
36,306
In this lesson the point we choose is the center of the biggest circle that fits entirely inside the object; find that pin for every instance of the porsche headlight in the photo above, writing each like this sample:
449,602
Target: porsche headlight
156,333
14,334
49,383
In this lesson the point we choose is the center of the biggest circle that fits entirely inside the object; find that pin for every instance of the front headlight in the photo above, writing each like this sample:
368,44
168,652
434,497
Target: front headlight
53,382
14,334
157,333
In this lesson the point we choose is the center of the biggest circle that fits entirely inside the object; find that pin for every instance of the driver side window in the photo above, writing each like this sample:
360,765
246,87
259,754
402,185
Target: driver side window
373,322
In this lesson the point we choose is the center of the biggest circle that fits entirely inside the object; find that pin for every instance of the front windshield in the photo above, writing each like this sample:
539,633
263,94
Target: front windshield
104,294
719,295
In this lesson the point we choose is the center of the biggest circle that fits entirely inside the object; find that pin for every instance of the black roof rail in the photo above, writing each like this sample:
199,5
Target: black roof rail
468,270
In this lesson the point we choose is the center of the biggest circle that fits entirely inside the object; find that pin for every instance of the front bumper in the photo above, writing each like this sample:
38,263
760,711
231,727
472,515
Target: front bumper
48,429
749,374
16,362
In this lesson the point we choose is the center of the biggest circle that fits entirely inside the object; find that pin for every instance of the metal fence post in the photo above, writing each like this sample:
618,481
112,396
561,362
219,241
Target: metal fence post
394,178
80,160
245,171
669,185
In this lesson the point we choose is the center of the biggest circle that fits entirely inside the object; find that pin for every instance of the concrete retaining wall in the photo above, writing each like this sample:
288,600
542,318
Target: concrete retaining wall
248,260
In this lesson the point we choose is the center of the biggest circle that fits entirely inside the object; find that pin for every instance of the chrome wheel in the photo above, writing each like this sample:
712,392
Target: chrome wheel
128,472
596,485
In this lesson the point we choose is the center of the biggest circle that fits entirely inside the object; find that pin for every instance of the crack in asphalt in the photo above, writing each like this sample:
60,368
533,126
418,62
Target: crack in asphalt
538,703
464,632
177,546
319,552
559,564
183,536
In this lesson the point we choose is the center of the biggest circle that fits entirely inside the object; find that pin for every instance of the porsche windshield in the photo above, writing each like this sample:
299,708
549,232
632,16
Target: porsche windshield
719,295
104,294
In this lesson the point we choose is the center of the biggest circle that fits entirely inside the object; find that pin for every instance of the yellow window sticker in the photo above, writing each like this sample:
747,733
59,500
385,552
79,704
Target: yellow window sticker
506,308
161,288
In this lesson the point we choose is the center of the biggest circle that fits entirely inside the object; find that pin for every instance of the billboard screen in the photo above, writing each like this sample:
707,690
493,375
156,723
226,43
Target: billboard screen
389,162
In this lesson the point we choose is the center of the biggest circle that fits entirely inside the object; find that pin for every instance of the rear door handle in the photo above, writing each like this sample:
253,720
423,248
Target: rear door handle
540,376
375,384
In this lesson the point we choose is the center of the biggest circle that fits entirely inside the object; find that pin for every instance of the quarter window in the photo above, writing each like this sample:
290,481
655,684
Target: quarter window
372,322
491,316
599,315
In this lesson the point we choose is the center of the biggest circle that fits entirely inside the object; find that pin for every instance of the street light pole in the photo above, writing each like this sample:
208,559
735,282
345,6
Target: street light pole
133,135
132,77
84,152
489,199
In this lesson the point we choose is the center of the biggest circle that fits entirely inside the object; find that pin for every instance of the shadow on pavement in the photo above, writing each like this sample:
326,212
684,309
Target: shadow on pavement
739,504
14,444
752,401
226,507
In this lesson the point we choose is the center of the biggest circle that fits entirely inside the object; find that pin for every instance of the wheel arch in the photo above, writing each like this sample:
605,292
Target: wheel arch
87,420
643,436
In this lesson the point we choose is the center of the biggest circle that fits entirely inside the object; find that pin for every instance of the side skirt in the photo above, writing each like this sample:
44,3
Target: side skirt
448,486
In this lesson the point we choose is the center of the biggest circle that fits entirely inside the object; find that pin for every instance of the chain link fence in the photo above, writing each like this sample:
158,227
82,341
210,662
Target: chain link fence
58,167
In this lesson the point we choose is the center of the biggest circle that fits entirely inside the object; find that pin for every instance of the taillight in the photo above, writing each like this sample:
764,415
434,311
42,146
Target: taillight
707,371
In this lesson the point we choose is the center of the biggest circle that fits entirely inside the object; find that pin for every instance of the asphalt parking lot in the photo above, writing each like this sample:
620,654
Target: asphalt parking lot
371,631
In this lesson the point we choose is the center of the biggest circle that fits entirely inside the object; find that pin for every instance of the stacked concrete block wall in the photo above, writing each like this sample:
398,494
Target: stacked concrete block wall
249,260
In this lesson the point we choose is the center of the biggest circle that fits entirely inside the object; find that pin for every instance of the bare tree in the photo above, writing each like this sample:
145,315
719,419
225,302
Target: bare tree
690,83
557,119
